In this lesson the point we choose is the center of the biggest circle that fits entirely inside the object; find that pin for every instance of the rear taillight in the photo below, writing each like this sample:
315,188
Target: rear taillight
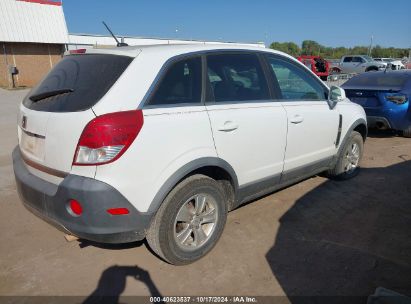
78,51
107,137
397,98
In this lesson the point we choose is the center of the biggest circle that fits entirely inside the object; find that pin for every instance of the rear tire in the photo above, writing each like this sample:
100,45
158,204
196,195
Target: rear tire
372,69
407,132
189,222
347,165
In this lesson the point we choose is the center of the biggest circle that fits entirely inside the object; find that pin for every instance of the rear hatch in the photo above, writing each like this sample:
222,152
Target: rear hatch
54,114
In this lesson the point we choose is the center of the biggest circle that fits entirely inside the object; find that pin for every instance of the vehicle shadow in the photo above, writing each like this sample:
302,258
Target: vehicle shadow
375,133
112,284
347,238
85,243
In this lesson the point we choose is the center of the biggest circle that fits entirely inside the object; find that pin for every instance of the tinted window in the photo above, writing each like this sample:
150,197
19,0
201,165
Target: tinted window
84,78
181,84
296,83
357,59
236,77
392,80
347,59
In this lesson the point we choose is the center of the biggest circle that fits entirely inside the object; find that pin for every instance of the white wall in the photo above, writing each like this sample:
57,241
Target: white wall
22,21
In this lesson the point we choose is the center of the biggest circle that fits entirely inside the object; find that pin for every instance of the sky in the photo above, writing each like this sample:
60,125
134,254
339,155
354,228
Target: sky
331,23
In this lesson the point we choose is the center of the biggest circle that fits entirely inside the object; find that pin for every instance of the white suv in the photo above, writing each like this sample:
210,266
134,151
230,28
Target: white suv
160,142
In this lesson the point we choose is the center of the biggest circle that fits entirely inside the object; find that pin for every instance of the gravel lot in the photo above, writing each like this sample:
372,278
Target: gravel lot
318,237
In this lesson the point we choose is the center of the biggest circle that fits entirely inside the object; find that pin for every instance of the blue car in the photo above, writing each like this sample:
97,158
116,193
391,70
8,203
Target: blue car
385,97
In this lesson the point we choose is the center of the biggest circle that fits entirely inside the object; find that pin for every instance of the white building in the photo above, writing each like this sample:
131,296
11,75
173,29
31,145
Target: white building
33,35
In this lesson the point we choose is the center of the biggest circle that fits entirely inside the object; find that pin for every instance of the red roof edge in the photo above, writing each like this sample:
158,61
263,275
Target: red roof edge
47,2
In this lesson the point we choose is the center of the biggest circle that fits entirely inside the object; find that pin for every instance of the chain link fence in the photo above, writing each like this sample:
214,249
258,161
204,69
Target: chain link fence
338,79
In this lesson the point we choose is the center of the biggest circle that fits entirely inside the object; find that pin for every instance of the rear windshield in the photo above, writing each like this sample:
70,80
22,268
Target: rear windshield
378,80
77,83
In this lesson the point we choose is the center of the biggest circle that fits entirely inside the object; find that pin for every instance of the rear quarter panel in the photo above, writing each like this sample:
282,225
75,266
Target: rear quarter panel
170,138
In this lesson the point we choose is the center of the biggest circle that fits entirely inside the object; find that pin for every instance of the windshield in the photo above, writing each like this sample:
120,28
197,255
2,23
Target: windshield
367,58
77,83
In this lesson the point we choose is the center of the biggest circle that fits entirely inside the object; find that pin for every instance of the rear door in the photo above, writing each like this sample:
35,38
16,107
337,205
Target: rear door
312,124
249,128
54,113
358,64
347,64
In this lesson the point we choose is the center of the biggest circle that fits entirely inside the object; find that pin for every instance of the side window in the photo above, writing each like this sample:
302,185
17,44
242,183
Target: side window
181,84
356,59
347,59
294,82
236,77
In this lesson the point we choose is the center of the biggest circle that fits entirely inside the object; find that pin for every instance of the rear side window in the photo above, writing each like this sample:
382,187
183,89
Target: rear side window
181,84
77,83
236,77
347,59
294,82
358,59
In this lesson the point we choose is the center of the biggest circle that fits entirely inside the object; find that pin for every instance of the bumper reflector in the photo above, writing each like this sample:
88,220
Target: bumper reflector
74,208
118,211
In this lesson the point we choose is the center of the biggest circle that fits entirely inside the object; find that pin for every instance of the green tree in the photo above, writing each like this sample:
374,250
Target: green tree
290,48
311,47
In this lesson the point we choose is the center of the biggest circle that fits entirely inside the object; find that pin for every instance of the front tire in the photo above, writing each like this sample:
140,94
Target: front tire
189,222
347,165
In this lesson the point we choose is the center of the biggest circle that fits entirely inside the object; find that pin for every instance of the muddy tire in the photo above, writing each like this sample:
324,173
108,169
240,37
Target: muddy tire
190,221
347,165
407,132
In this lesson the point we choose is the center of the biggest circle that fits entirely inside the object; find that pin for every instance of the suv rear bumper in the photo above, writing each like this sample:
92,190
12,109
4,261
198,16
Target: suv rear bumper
49,202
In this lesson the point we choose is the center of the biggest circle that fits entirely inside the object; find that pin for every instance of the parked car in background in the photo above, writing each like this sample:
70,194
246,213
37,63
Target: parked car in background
407,62
360,64
385,97
112,154
318,65
395,64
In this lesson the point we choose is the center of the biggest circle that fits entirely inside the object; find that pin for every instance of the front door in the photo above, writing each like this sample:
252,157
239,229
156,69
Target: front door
312,124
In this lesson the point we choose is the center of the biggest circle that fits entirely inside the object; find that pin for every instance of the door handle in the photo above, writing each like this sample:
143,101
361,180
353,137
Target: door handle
228,127
297,119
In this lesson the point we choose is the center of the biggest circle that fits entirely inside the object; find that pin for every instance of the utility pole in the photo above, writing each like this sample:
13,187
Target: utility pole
369,50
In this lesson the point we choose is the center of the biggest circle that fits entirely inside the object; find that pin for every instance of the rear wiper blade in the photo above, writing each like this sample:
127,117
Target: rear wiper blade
45,95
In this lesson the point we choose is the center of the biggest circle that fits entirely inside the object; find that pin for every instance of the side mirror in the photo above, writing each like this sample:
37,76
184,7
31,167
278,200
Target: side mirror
336,94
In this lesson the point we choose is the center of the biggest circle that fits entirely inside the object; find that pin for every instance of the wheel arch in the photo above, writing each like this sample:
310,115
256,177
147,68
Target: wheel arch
360,125
371,68
361,128
213,167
